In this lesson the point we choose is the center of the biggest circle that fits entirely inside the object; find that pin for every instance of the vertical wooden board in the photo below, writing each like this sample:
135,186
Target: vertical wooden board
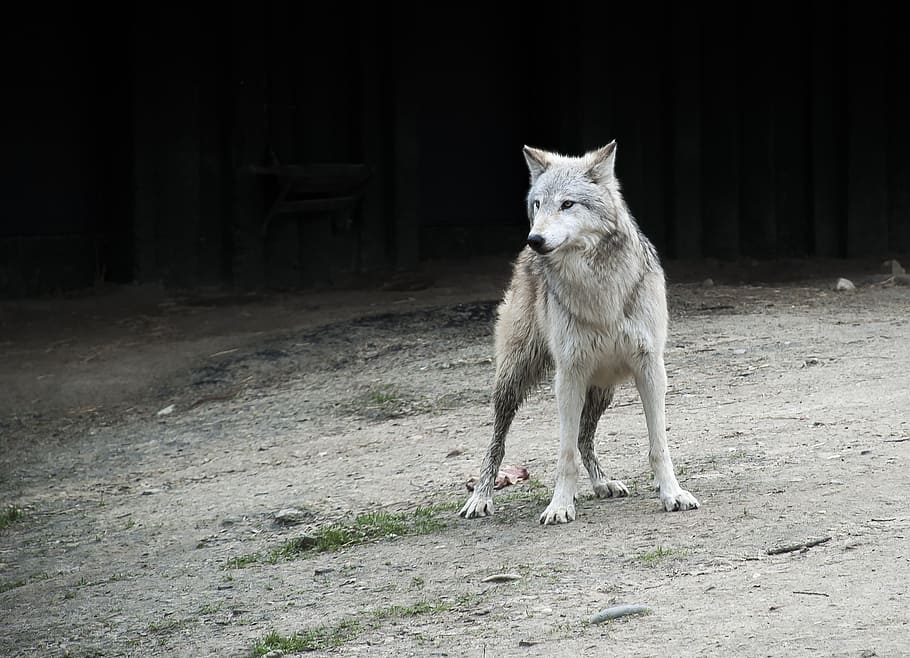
791,135
148,140
287,261
828,130
686,174
628,80
372,250
597,66
405,168
867,174
652,208
721,135
758,221
248,141
898,140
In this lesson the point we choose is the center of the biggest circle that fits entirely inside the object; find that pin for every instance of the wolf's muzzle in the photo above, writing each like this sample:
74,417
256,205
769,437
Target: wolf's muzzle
536,242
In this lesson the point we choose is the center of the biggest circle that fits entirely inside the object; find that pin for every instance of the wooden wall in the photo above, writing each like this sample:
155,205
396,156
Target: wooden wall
760,130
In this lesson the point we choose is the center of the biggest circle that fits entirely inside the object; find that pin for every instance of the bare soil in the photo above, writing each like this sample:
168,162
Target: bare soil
789,418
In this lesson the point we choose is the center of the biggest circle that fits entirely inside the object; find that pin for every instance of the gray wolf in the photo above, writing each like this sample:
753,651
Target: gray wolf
587,299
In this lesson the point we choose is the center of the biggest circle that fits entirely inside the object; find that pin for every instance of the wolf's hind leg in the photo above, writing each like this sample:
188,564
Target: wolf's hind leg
596,402
520,367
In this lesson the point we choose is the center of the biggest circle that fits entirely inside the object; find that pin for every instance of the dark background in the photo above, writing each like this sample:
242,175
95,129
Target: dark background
752,129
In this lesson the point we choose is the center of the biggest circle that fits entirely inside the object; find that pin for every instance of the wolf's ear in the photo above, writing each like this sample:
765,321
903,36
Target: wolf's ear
537,160
601,162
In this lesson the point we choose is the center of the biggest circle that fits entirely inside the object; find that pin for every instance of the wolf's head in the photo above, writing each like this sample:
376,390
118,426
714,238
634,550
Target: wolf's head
573,201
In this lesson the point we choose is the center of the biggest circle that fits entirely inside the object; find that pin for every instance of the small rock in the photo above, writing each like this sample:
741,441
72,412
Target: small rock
707,283
844,284
618,611
893,267
501,578
321,571
274,653
168,410
454,452
293,516
152,492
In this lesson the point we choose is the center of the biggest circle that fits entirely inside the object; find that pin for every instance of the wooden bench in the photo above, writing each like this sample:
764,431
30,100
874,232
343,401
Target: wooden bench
317,191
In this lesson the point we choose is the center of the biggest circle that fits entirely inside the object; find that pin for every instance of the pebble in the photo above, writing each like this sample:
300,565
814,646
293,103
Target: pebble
293,516
844,284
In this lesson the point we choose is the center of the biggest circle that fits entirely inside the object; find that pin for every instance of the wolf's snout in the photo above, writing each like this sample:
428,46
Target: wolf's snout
535,241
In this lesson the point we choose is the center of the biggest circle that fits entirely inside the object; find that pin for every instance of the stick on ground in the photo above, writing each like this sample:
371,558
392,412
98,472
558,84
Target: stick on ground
797,547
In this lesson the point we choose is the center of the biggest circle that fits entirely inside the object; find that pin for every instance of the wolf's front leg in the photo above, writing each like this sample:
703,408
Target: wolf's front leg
570,398
651,381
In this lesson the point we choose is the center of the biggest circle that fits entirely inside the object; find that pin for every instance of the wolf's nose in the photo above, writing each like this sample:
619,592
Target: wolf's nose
535,241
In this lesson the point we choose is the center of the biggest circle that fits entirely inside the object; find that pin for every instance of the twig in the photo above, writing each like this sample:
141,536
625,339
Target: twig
797,547
812,593
906,438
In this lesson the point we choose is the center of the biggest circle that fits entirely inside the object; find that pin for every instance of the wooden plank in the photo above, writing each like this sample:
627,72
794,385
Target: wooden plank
652,209
248,143
148,140
867,170
898,141
686,181
829,217
371,249
211,247
721,135
405,167
758,235
792,181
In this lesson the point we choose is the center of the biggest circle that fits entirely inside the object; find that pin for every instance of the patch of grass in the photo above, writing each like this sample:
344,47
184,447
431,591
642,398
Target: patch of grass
370,526
210,608
243,561
12,584
658,554
169,625
383,396
329,636
321,637
384,402
9,515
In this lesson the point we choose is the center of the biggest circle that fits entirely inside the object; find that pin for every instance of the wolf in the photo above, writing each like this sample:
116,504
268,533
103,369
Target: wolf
587,299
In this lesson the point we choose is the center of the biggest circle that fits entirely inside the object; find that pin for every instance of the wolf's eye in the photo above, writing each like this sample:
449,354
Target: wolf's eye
566,205
536,204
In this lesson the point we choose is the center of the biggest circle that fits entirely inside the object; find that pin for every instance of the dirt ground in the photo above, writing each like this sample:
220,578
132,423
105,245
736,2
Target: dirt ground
789,419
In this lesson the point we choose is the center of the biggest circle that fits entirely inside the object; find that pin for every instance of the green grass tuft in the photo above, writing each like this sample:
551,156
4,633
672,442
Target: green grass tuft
10,515
330,636
658,554
367,527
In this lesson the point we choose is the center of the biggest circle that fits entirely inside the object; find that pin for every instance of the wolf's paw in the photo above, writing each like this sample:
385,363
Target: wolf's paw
678,501
557,513
610,489
477,506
